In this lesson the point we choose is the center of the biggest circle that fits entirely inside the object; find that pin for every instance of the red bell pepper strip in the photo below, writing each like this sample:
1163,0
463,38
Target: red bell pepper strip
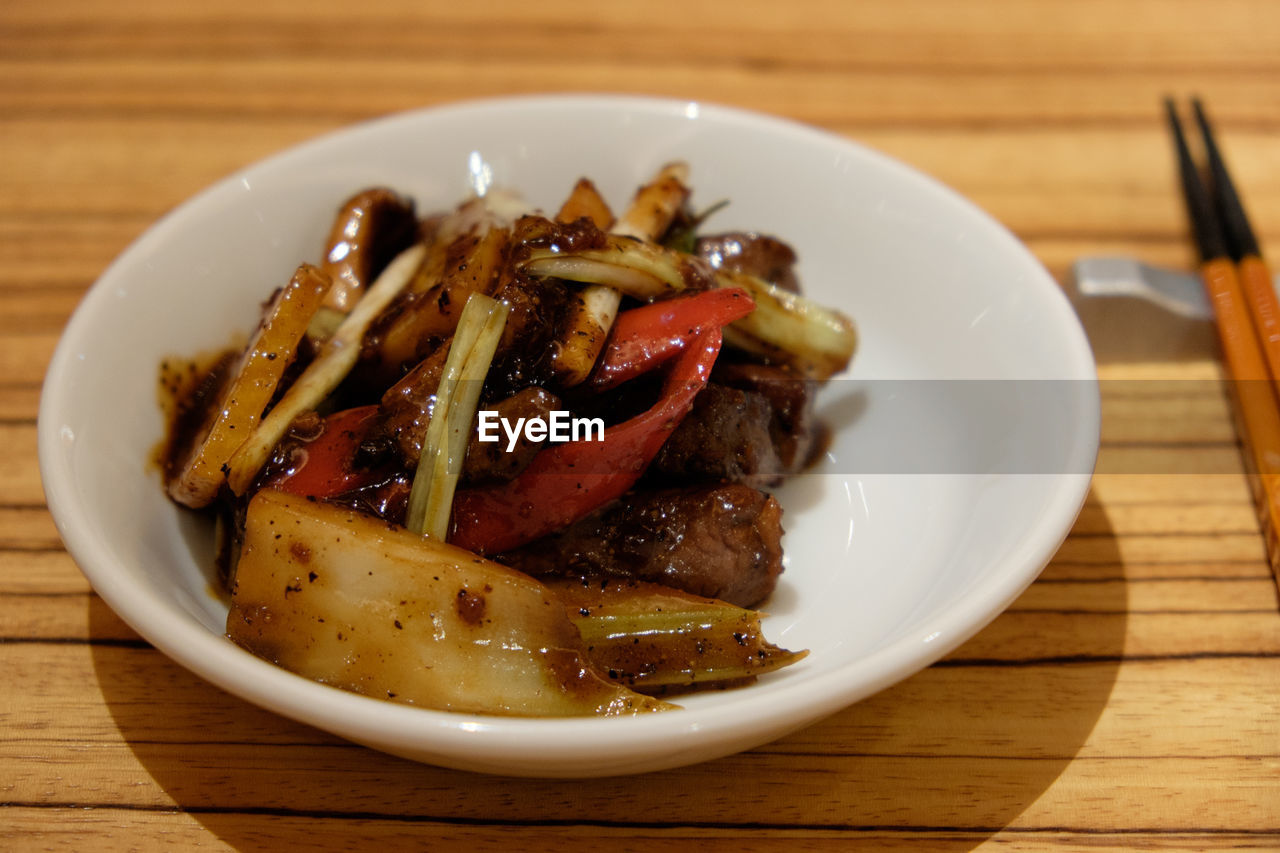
644,337
566,481
323,468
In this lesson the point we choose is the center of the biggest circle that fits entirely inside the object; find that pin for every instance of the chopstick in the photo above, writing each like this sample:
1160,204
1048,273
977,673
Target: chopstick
1247,315
1242,245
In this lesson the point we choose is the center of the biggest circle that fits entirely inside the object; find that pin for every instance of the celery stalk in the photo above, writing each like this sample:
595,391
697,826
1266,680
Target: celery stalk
651,637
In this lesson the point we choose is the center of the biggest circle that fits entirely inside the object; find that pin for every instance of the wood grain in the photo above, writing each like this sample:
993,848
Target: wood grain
1126,701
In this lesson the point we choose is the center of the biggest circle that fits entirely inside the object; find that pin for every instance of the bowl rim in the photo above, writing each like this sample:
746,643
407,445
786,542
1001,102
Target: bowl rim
492,739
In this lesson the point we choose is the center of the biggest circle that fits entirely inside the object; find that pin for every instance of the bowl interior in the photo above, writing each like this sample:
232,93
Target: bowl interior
929,514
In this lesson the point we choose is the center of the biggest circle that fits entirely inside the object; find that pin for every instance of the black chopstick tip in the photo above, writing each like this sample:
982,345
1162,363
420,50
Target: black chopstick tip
1197,106
1205,227
1175,126
1202,119
1236,230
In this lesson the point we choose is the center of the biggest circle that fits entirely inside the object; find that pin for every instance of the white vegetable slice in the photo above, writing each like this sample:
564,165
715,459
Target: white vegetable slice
250,387
354,602
651,211
322,376
788,328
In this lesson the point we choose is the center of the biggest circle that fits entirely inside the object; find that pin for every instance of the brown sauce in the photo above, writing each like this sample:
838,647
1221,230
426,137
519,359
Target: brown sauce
183,387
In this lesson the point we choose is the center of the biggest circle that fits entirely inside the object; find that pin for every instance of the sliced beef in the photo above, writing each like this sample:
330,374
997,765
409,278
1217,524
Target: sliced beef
759,255
724,439
797,434
523,359
721,542
491,462
405,408
752,424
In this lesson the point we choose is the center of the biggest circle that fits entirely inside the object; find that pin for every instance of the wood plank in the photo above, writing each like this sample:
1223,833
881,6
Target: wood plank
836,792
1017,638
1056,711
40,572
1117,520
74,829
1170,490
23,360
1125,701
1210,705
19,403
19,467
67,250
23,311
986,34
266,85
1166,596
1217,547
876,95
1108,183
28,528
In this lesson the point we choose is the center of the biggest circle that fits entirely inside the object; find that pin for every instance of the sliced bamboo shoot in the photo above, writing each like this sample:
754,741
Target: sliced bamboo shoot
250,387
469,264
322,376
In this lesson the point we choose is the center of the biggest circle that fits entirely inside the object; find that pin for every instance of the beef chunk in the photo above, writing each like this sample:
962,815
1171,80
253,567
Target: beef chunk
797,434
523,359
406,407
491,462
759,255
752,424
724,438
721,542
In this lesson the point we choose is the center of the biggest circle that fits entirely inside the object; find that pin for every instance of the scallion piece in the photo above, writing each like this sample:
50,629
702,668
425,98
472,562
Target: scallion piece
471,352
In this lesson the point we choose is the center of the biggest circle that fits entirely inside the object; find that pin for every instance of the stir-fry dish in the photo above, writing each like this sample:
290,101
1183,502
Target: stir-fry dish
500,462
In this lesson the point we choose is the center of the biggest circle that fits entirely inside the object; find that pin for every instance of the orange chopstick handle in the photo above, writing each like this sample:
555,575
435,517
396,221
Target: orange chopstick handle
1257,405
1259,290
1240,346
1263,306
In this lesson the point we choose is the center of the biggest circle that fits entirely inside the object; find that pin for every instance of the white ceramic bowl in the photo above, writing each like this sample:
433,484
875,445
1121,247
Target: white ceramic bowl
893,559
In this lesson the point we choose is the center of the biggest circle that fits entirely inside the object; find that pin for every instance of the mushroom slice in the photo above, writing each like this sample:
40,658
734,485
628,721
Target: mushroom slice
371,228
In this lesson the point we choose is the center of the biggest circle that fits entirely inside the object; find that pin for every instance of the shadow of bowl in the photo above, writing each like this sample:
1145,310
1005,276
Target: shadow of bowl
942,760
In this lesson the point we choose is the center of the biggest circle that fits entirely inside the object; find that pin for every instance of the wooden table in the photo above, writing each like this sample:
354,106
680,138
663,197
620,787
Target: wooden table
1127,700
